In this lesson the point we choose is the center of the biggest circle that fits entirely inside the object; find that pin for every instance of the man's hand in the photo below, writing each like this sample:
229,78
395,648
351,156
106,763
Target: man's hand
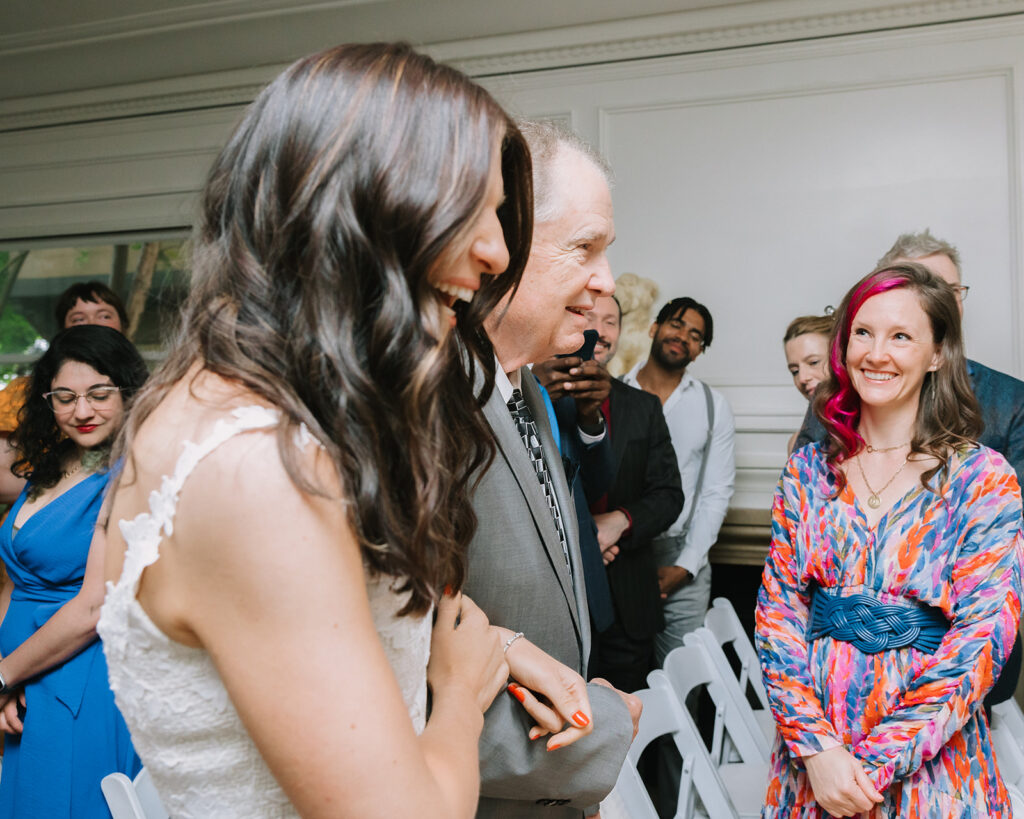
610,526
671,578
553,374
590,384
632,701
586,381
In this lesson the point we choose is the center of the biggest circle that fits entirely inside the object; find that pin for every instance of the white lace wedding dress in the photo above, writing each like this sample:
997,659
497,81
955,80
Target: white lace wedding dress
182,722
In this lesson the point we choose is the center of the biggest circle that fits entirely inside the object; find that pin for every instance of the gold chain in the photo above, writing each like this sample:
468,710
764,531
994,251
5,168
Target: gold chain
885,449
873,500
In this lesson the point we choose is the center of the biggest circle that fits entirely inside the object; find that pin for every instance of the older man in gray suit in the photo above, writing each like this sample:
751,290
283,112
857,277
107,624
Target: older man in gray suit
524,562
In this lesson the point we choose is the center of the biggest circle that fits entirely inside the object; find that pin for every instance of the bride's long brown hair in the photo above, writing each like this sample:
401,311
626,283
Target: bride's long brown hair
342,188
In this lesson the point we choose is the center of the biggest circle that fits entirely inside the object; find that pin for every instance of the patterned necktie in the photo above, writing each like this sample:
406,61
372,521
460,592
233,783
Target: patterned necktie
527,429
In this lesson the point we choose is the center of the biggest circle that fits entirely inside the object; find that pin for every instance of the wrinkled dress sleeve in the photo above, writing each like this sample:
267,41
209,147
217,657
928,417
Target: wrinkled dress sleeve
986,591
782,610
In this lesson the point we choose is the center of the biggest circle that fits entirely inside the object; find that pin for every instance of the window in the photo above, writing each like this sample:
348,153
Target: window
151,277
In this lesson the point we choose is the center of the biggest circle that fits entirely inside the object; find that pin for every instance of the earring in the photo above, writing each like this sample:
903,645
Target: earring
931,387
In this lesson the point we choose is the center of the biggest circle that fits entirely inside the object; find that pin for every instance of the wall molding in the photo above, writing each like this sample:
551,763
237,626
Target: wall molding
760,23
681,33
163,21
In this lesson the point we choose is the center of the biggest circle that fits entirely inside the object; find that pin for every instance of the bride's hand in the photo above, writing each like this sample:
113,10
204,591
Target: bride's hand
465,652
551,692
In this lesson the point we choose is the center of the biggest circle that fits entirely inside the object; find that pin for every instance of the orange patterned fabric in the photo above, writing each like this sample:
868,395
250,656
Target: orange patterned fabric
912,719
12,399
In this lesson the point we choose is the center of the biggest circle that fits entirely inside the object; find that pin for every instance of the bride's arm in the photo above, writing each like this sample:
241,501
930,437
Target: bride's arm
270,581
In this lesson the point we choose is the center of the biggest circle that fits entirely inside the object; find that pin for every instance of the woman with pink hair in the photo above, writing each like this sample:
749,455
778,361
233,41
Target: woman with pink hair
891,595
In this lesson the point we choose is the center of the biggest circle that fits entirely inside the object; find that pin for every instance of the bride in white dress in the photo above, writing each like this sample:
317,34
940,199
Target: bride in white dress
295,493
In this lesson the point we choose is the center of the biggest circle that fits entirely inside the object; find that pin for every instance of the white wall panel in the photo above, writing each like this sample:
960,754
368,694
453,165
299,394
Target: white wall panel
764,182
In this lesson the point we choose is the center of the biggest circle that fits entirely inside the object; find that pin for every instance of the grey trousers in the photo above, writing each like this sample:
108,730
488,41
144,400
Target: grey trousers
685,607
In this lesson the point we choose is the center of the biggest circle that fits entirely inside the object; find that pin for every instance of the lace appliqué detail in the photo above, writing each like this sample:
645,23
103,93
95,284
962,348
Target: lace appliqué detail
184,725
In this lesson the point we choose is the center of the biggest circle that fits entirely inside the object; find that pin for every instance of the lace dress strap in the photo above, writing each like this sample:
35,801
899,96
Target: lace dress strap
142,534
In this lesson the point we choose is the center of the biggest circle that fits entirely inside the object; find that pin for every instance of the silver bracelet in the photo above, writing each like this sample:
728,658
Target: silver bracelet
512,639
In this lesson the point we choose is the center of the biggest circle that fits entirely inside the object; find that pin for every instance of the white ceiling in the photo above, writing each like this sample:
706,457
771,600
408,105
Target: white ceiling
50,47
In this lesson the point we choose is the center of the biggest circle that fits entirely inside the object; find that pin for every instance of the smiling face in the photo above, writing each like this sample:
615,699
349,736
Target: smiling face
678,340
606,320
480,249
807,359
93,312
891,348
566,272
86,421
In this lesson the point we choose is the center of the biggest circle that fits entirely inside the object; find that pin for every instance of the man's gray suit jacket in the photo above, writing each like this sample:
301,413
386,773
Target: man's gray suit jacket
517,575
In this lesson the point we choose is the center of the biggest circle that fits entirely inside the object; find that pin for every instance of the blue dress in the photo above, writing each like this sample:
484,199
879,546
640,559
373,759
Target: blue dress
74,735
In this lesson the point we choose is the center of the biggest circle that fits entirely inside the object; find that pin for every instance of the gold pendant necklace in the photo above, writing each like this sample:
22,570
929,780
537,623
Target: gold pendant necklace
873,500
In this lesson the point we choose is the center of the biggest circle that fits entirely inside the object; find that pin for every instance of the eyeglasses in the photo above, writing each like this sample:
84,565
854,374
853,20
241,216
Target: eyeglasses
62,400
961,290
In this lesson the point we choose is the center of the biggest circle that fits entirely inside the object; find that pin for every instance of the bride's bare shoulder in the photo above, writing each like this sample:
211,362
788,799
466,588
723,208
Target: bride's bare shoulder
189,413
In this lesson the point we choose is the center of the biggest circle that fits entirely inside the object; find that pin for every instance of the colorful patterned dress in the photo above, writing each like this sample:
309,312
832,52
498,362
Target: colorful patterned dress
913,719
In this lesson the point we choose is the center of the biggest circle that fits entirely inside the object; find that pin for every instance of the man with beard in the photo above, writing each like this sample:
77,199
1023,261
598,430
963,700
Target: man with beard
701,425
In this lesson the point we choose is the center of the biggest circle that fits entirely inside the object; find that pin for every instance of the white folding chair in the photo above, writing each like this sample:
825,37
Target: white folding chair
1016,799
628,799
738,706
725,789
721,621
694,669
1009,755
661,715
1007,716
128,799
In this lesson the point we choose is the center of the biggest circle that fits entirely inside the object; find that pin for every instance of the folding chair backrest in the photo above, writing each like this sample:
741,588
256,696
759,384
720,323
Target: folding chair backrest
1009,756
1007,715
724,623
699,772
689,668
129,799
750,740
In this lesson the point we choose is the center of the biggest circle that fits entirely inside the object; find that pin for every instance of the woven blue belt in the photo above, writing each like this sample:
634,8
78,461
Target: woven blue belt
871,625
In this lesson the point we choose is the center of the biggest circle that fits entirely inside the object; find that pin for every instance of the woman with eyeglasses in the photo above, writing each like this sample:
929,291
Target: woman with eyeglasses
63,730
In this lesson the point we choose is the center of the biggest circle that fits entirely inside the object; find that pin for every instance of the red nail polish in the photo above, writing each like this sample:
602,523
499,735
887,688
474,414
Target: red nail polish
581,719
554,747
534,733
516,692
448,590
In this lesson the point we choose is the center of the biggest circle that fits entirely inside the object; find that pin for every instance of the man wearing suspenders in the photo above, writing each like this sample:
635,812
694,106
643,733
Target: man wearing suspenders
701,425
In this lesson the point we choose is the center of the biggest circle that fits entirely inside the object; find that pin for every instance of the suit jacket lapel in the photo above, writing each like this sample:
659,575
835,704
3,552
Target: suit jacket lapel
578,597
511,449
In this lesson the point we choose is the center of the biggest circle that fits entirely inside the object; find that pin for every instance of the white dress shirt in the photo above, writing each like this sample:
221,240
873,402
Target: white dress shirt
687,418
